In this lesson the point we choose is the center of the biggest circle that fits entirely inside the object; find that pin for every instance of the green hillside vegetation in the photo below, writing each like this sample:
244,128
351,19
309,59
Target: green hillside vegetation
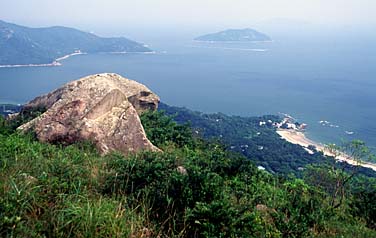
259,143
243,135
195,188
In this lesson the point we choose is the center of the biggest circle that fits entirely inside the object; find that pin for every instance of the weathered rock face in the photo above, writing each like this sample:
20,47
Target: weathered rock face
102,108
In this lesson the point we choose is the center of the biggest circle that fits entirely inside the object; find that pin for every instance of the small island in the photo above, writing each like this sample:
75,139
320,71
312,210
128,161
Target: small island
238,35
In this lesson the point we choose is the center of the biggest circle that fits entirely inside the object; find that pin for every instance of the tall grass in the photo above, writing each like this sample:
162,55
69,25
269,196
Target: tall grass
193,189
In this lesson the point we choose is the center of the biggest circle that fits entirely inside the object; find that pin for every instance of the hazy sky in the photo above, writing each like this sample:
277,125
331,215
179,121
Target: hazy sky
186,13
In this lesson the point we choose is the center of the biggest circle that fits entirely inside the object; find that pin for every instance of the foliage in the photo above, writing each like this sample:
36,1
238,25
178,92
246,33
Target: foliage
259,143
161,130
362,202
24,115
193,188
335,177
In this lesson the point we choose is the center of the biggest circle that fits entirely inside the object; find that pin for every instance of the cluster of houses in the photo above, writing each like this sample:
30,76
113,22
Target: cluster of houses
287,123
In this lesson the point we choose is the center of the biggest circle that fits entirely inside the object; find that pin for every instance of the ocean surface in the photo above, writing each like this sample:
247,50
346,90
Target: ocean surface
327,79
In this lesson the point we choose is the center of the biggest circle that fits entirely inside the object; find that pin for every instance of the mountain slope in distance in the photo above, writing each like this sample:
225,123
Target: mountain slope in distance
21,45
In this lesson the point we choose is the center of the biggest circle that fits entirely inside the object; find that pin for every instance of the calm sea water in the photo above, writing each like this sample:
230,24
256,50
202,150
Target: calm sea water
313,80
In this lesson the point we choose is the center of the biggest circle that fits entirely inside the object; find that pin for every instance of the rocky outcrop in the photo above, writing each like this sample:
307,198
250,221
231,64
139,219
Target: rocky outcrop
102,108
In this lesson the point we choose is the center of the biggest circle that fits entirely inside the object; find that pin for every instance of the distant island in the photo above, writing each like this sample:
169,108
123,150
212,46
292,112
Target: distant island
242,35
24,46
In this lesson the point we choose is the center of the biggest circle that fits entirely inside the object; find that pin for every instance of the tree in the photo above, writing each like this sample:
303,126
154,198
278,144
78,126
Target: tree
335,177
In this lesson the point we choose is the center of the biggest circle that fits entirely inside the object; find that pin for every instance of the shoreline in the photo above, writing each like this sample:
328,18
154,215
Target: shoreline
53,64
56,62
299,138
69,55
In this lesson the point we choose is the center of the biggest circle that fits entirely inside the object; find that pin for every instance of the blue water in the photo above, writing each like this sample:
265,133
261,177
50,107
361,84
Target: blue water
312,80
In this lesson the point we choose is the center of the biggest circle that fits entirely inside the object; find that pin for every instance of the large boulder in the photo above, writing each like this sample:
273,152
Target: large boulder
102,108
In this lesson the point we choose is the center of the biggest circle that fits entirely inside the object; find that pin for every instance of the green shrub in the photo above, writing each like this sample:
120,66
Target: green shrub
193,188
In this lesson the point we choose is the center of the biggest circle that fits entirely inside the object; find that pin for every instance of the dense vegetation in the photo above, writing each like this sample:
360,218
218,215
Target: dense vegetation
243,135
259,143
194,188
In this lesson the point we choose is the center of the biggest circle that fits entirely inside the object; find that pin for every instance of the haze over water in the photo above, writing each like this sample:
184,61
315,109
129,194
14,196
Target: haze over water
326,78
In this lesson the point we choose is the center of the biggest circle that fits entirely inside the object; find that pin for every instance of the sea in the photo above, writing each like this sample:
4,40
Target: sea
325,81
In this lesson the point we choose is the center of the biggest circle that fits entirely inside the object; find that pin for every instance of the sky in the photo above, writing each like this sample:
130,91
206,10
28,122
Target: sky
115,14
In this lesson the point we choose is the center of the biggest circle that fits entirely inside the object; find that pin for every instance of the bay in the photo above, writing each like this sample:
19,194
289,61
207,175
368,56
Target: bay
313,80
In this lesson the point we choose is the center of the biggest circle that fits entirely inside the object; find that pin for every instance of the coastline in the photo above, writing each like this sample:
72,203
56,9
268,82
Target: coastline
298,138
69,55
56,62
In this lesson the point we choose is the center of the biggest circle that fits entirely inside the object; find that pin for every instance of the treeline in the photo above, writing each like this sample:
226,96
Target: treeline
194,188
244,135
259,143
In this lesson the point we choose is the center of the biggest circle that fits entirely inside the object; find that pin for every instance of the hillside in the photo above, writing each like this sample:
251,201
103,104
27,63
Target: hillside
243,135
95,158
259,143
21,45
194,188
241,35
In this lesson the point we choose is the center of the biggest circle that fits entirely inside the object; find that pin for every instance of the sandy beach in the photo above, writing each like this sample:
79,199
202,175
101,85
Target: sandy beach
69,55
299,138
56,62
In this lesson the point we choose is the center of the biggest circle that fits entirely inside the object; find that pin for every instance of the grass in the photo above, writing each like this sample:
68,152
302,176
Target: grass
55,191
